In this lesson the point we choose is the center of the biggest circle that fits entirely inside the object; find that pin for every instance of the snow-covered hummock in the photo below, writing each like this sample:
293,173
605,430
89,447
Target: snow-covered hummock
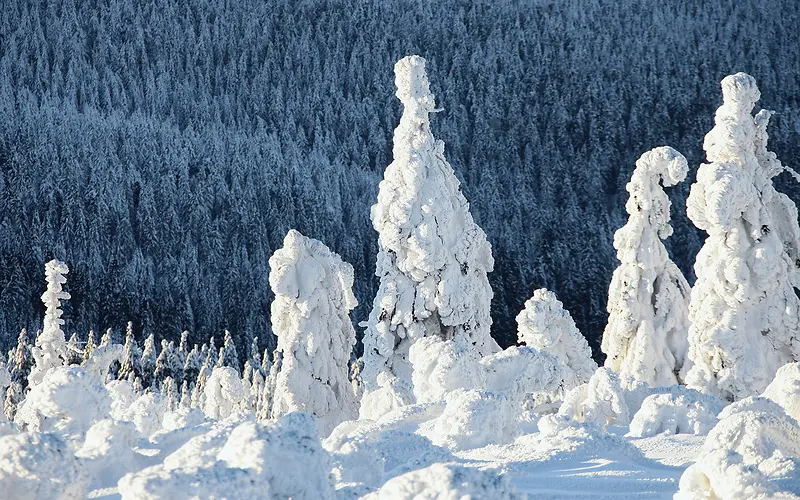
67,401
743,311
432,259
648,299
108,451
447,480
680,411
751,453
441,366
545,325
311,318
602,400
51,346
275,459
37,466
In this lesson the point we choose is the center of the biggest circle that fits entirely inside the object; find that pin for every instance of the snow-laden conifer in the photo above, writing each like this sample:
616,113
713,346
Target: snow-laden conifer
132,356
90,346
743,310
51,346
547,326
311,318
648,300
433,258
149,357
227,354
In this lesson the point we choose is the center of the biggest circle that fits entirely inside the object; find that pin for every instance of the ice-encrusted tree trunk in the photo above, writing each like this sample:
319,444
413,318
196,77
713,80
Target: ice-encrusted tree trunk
743,310
50,350
433,258
311,318
648,299
545,325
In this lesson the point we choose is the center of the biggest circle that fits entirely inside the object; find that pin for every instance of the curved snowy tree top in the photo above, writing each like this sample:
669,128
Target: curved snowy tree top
304,267
729,140
662,165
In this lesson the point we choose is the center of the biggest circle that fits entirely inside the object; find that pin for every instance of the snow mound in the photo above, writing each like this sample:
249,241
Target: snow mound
446,481
785,389
122,397
602,400
212,482
392,393
545,325
108,451
40,466
522,371
67,401
473,419
356,458
680,412
751,453
441,366
286,453
202,449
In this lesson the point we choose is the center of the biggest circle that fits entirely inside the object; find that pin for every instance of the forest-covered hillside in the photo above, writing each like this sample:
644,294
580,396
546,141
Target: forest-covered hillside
163,148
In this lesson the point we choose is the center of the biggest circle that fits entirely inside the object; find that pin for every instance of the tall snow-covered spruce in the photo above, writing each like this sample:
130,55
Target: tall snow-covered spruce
648,300
743,310
313,290
51,346
432,259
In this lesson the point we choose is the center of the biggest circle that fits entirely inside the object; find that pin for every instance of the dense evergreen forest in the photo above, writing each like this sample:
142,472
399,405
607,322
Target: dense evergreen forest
162,148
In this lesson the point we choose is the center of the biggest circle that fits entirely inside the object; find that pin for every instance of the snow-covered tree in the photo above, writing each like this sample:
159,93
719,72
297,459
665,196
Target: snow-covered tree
311,318
648,299
743,310
22,361
228,355
192,366
433,259
545,325
148,360
74,352
90,346
51,346
132,356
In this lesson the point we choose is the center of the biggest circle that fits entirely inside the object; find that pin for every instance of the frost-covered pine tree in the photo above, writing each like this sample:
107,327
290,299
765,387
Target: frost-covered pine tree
545,325
433,258
192,366
132,356
149,361
648,299
90,346
311,318
743,310
22,361
50,350
227,354
74,352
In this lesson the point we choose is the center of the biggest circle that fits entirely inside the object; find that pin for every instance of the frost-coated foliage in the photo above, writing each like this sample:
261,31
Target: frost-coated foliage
51,346
602,400
433,258
753,452
648,299
545,325
785,389
744,311
311,318
441,366
223,392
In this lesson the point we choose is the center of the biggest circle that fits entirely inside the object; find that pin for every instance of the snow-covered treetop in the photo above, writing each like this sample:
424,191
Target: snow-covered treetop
413,88
664,165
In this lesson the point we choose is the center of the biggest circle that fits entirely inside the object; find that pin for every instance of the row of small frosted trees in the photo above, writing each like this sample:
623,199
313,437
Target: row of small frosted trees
429,329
